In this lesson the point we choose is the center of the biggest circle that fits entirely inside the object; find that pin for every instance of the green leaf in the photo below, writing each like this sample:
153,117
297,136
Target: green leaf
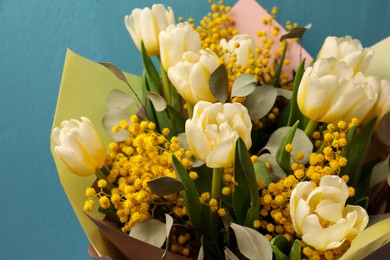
296,32
243,85
158,101
177,119
152,76
295,113
283,157
278,69
356,153
251,243
276,172
261,101
246,195
115,70
219,83
191,198
281,247
165,185
350,136
295,252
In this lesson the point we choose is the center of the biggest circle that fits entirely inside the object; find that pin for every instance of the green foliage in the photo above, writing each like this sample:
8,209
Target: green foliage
219,84
283,157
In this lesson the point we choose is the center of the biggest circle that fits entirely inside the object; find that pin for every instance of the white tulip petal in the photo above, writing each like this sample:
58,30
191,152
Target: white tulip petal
198,141
222,155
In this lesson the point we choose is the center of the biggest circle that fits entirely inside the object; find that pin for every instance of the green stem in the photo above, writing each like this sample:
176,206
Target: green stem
311,127
215,194
166,84
190,110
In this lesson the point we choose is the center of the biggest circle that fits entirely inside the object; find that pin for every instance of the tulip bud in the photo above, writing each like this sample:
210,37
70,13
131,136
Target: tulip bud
320,215
348,50
175,40
214,129
242,46
191,75
79,146
146,24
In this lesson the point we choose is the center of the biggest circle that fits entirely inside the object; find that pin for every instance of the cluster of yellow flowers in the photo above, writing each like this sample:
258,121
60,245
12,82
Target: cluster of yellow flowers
274,199
145,155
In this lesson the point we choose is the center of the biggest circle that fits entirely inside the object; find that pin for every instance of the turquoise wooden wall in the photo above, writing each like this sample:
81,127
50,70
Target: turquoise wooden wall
36,221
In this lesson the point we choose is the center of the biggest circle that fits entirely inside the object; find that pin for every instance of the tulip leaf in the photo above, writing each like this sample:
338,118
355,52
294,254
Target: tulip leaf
356,152
350,136
261,101
295,252
198,216
165,185
177,119
251,243
219,83
296,32
152,76
281,247
118,99
244,85
279,67
383,130
282,156
151,231
246,195
111,118
295,113
158,101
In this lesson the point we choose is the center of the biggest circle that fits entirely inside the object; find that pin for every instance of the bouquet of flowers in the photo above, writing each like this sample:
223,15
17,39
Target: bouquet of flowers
233,144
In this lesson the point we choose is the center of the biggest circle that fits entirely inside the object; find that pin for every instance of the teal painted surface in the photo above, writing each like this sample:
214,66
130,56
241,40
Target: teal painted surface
36,221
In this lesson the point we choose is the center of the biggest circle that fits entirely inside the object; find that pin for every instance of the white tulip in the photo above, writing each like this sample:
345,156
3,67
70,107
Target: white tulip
329,92
79,146
245,51
320,216
146,24
214,129
347,49
191,75
175,40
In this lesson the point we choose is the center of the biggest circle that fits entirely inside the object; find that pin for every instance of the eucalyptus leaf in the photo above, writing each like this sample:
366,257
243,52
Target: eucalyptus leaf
168,227
261,101
219,83
243,85
284,93
118,100
296,32
183,143
262,173
300,143
151,231
112,118
383,130
229,254
158,101
165,185
251,243
115,70
380,172
276,172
